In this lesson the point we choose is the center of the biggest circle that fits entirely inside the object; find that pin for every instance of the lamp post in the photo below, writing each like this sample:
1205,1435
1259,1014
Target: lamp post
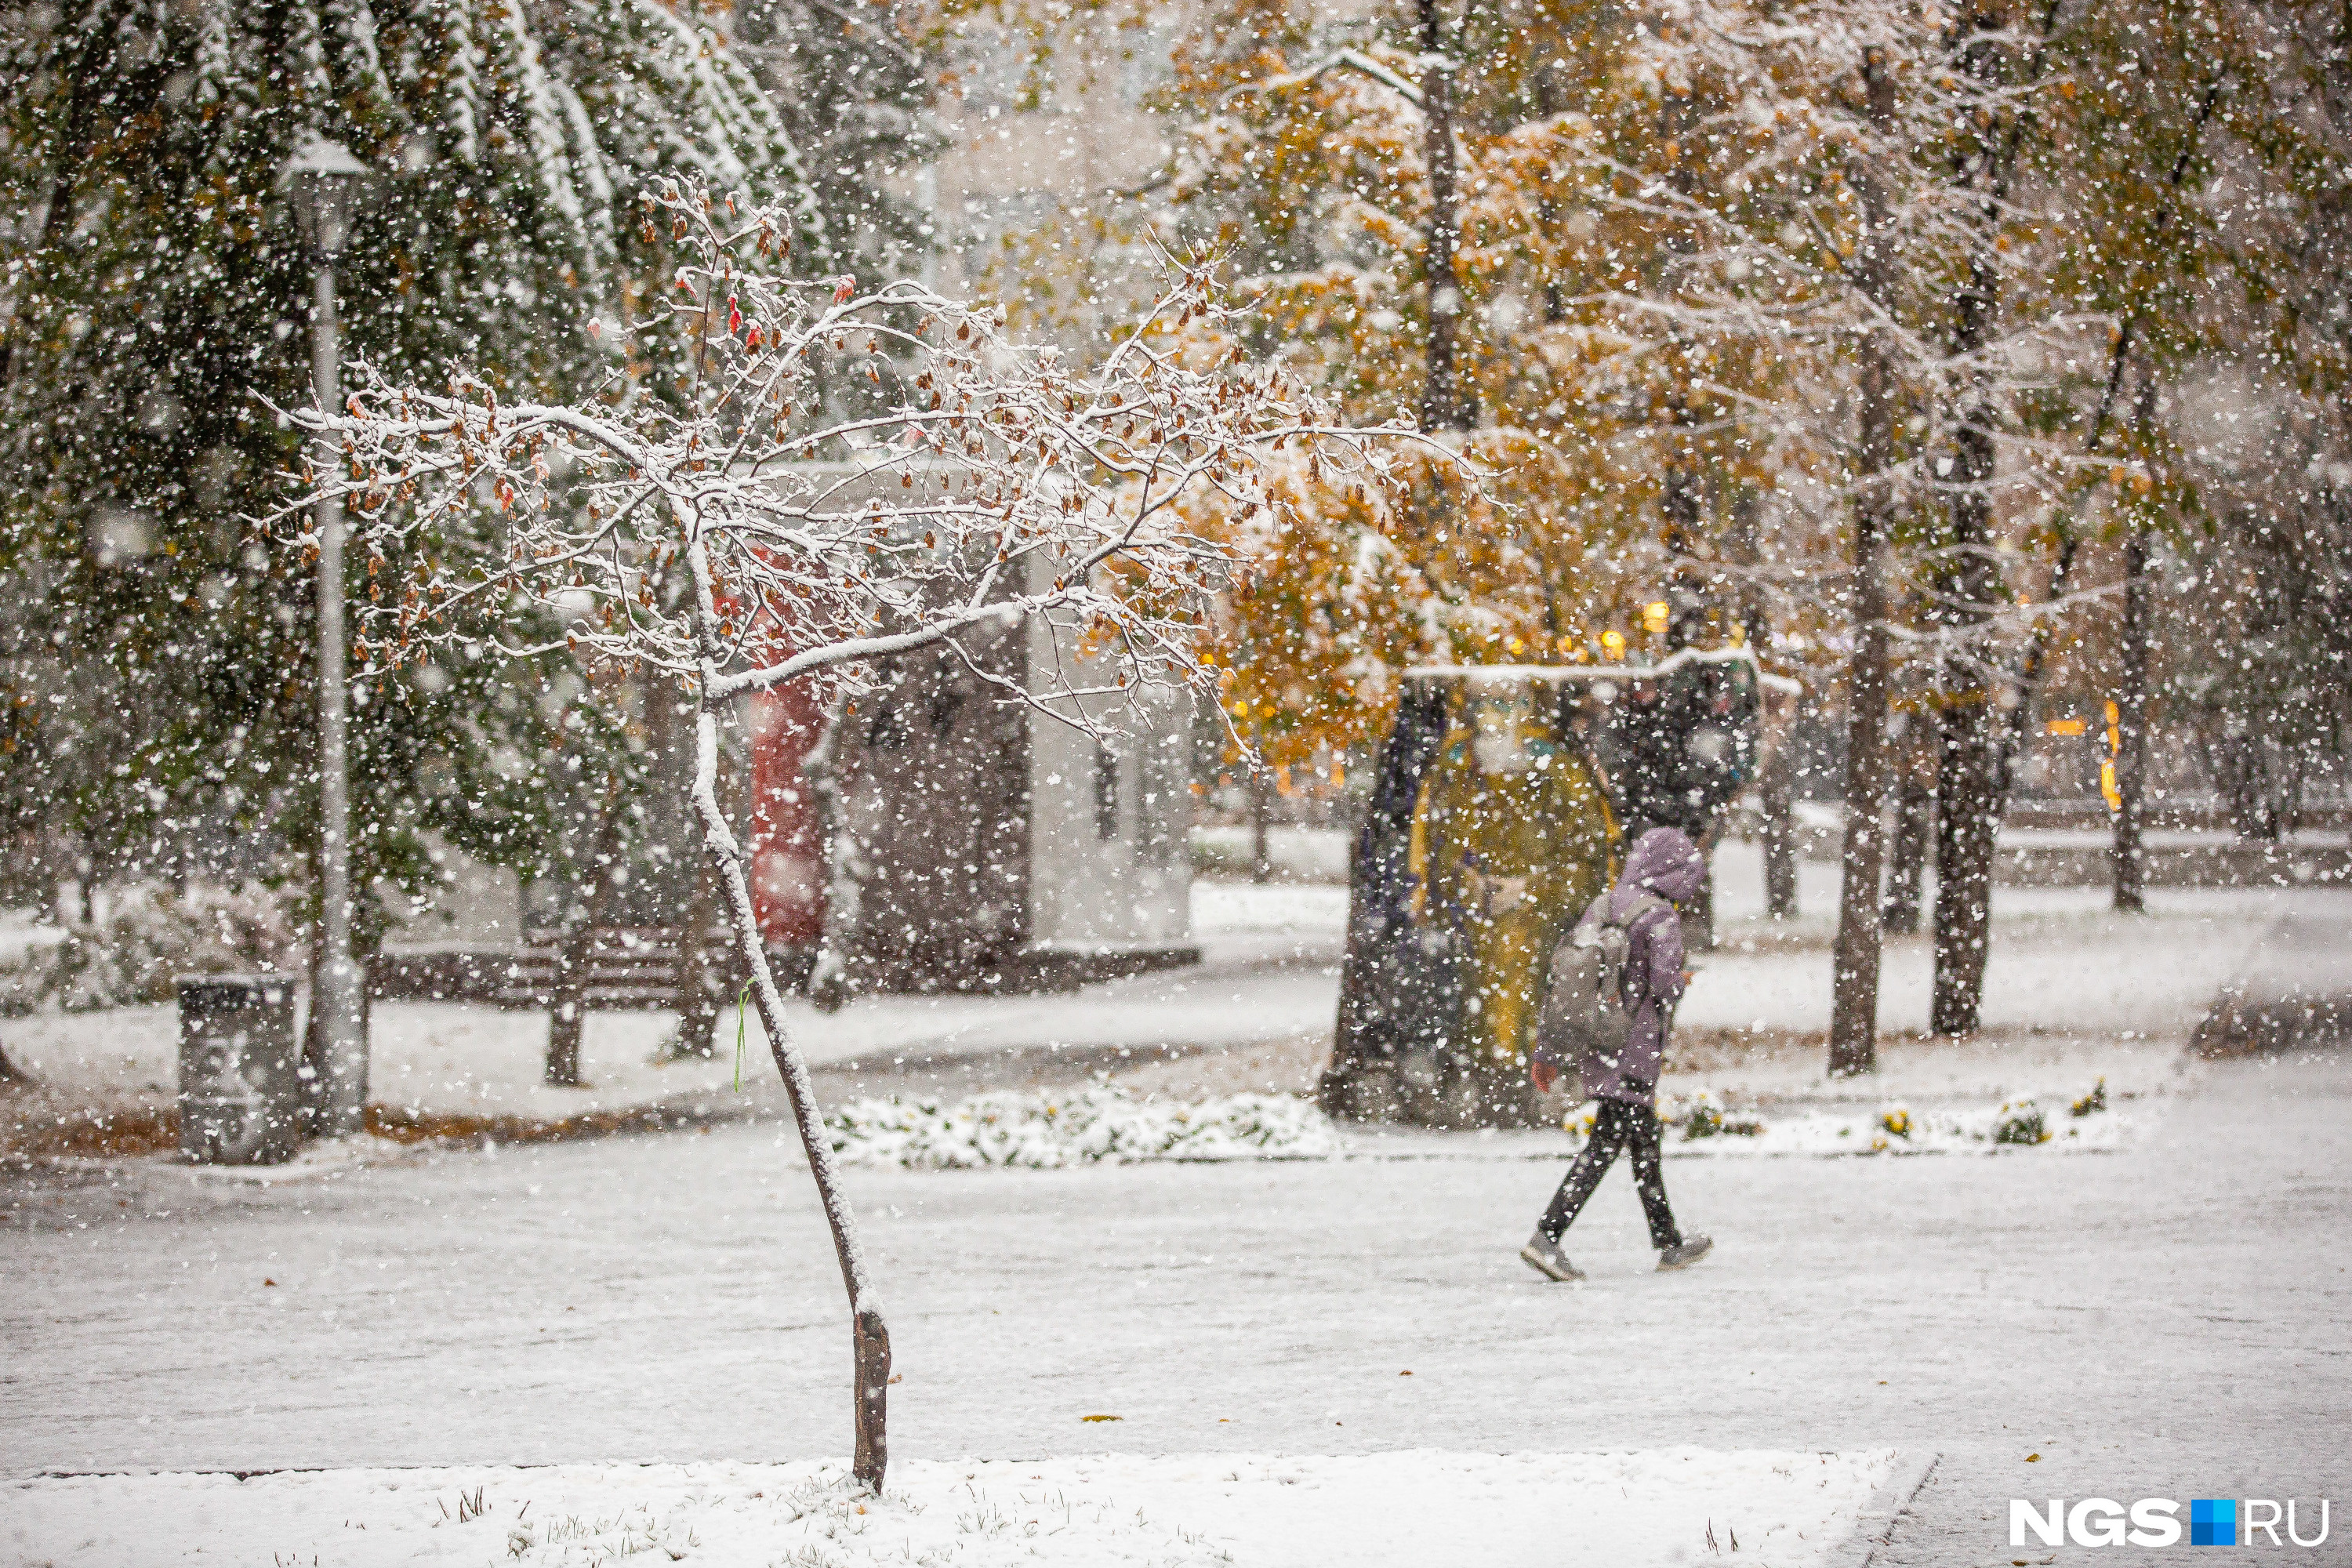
322,180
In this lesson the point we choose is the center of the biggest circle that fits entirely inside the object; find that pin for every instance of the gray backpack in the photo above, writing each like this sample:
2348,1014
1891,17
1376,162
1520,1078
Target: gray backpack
1584,1013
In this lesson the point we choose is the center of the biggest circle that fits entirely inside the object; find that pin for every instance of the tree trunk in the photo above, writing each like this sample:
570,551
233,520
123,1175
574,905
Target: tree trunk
1780,834
10,1072
567,1016
575,953
1776,782
1968,820
367,946
869,1336
1967,761
1445,403
1914,811
1261,799
701,983
2020,738
1853,1007
2131,753
1698,920
1968,766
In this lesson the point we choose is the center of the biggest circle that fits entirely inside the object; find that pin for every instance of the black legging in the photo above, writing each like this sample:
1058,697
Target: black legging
1635,1128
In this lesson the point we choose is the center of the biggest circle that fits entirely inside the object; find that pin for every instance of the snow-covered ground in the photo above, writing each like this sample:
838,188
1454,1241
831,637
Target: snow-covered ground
1398,1510
2166,1320
1293,854
670,1300
1269,976
2073,993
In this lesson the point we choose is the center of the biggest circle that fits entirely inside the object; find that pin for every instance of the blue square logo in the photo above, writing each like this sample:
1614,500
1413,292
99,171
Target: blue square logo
2213,1521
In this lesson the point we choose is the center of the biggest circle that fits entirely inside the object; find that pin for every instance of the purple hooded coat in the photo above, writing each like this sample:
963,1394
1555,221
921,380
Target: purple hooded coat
1664,863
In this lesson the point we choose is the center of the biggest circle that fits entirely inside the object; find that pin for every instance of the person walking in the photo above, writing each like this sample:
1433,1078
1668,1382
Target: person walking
1664,870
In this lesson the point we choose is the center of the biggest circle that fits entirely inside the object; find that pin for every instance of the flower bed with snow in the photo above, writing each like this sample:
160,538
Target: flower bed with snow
1084,1127
1416,1508
1700,1124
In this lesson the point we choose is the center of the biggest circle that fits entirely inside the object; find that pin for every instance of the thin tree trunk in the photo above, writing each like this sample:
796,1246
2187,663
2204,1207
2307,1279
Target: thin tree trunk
870,1335
1551,95
2021,718
1445,403
1853,1006
1698,920
2131,759
1261,799
701,984
1780,834
575,955
568,1008
700,981
1914,811
2131,704
1776,779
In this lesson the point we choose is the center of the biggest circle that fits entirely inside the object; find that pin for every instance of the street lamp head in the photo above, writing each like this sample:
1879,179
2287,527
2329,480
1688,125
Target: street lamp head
323,180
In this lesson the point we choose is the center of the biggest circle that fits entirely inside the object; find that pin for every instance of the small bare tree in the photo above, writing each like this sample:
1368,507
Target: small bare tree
844,475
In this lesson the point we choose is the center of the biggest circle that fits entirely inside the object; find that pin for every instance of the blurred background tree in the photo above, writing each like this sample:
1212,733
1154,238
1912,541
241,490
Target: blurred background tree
154,302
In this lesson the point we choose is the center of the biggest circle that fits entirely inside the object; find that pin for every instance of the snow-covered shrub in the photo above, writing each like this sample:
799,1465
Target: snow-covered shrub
2092,1103
1093,1126
150,937
2021,1123
1701,1117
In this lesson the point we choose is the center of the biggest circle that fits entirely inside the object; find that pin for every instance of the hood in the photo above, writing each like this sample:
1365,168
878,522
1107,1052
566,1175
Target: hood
1667,863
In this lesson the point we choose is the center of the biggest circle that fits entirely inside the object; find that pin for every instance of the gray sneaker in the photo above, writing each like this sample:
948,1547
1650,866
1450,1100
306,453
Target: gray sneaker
1690,1251
1543,1255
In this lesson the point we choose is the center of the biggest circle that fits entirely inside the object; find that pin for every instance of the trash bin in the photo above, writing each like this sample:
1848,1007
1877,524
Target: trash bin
240,1069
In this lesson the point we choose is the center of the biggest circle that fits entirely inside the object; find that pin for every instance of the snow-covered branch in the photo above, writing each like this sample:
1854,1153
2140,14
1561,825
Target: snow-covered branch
859,472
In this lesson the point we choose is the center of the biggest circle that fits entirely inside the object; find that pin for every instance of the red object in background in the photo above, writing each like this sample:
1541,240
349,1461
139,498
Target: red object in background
787,847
